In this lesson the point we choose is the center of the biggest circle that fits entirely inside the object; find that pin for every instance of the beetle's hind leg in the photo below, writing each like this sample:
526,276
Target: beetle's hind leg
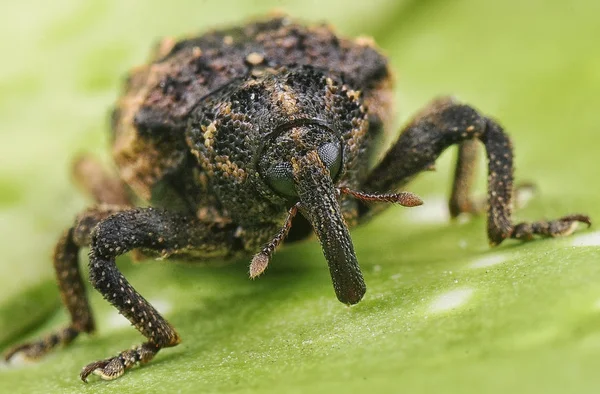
70,283
104,188
442,124
461,198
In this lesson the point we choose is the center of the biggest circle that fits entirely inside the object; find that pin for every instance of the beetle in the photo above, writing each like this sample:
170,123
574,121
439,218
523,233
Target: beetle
227,136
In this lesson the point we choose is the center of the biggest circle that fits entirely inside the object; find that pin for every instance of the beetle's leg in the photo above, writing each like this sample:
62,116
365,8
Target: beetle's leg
461,200
111,194
66,259
104,188
157,231
445,123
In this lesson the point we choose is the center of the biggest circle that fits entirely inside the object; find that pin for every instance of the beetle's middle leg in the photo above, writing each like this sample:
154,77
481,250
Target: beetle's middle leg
445,123
103,187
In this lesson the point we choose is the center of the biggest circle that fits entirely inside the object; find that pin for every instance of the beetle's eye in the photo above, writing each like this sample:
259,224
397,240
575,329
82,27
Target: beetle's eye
331,156
281,179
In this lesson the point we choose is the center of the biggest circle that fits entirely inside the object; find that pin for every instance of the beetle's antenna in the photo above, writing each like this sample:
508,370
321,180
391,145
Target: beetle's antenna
406,199
260,261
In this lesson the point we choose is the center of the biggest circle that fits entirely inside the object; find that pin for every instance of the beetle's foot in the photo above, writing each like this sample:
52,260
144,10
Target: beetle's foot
108,369
26,352
33,351
112,368
553,228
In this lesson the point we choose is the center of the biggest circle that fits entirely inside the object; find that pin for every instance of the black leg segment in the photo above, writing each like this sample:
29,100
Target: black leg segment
154,231
445,123
70,283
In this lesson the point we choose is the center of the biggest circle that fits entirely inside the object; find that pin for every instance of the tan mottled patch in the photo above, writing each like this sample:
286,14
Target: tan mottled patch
353,95
210,214
225,109
164,47
260,72
365,41
286,98
251,82
330,93
228,168
296,134
380,102
209,134
360,127
133,156
322,30
255,58
143,162
196,52
227,40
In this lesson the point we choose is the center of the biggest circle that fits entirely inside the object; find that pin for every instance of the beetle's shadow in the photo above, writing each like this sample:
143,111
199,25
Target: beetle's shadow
287,268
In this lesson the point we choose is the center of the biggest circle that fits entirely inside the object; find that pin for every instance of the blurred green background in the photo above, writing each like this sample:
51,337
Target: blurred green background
443,312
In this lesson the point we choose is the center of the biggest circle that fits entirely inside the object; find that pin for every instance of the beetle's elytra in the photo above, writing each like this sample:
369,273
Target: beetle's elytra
244,136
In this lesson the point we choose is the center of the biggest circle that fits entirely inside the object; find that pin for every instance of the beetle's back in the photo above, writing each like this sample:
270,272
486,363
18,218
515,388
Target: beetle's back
150,118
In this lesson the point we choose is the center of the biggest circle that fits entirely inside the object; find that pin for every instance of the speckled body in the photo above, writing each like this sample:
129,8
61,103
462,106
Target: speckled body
185,131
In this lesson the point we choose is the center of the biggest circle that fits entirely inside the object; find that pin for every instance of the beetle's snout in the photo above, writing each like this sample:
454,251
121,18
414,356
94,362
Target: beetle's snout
318,203
309,180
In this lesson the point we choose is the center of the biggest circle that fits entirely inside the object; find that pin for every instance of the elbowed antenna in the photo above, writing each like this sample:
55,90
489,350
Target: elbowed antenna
260,261
406,199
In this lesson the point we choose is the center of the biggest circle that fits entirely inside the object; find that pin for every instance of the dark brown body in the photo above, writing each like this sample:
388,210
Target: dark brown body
150,120
191,79
228,135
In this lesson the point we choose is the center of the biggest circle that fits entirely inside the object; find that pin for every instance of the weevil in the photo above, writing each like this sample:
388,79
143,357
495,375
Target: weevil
225,137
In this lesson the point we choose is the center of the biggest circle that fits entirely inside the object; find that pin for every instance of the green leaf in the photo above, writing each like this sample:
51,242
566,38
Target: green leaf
443,312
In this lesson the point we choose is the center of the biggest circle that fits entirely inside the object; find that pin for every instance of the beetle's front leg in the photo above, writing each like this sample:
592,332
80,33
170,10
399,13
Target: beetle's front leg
445,123
151,230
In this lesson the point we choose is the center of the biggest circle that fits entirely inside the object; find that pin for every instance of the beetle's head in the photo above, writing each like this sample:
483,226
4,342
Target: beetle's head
302,162
289,135
282,154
